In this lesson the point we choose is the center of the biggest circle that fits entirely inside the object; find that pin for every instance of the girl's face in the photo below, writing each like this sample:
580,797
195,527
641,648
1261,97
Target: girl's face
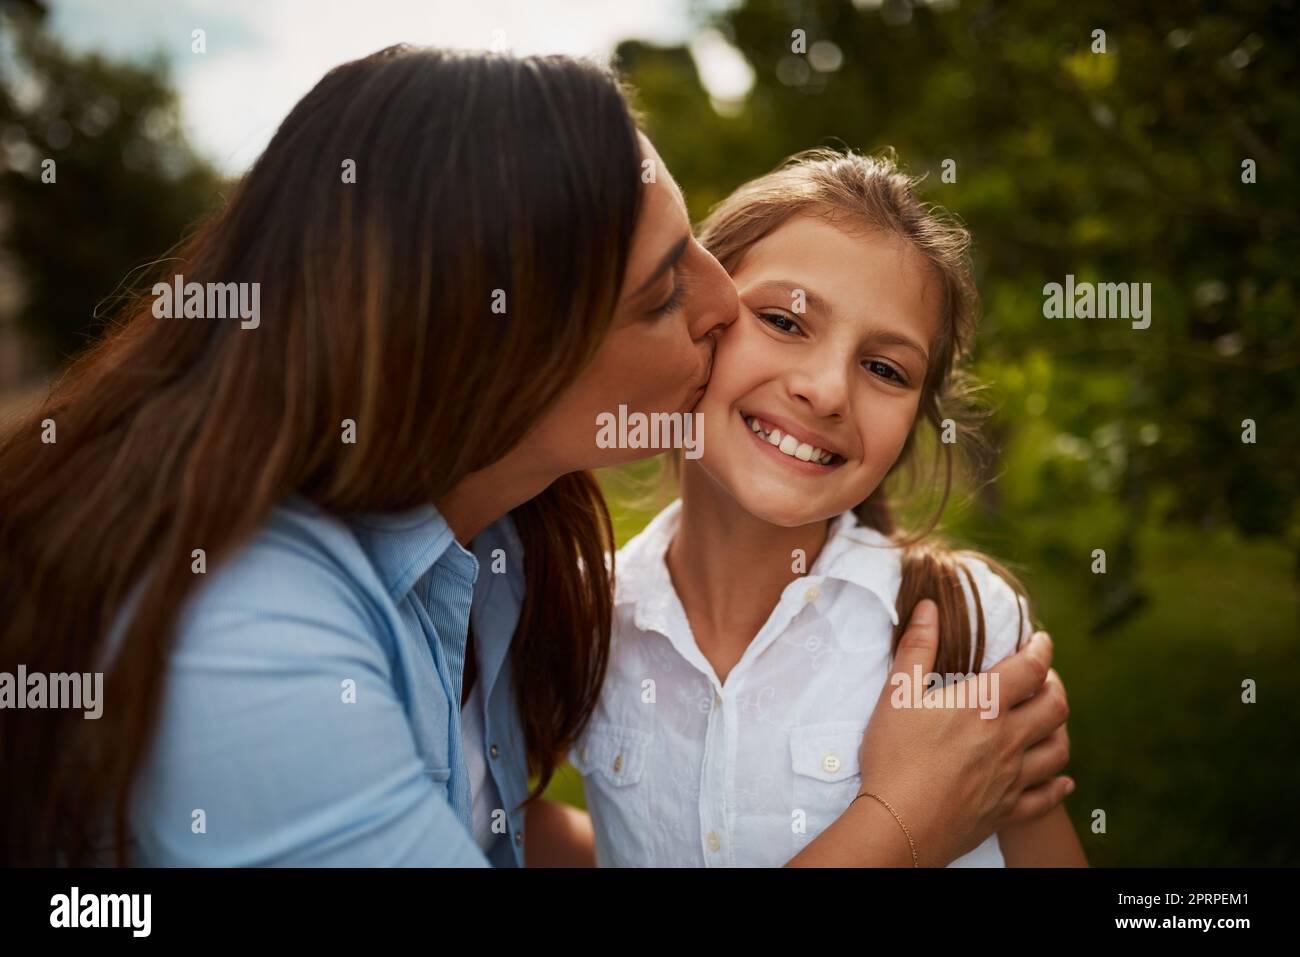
827,358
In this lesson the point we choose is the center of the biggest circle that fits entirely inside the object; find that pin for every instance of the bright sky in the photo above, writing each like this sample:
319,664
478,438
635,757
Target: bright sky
263,55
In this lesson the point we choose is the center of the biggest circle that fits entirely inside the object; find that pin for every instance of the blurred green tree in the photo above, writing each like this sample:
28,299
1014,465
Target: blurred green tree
126,184
1118,156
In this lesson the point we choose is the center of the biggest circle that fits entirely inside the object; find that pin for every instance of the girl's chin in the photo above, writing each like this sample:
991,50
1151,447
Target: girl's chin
772,498
784,510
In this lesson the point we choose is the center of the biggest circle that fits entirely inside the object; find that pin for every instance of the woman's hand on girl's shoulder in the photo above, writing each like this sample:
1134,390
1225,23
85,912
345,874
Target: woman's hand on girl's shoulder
953,777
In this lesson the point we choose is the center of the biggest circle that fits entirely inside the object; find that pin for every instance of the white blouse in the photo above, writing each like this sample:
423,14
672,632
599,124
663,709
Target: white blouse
680,770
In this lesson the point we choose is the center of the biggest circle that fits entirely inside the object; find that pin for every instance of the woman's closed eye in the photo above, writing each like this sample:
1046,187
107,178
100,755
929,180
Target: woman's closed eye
674,300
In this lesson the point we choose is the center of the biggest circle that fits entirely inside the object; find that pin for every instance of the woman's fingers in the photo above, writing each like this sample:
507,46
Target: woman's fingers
1035,802
1021,676
1046,759
1037,719
919,644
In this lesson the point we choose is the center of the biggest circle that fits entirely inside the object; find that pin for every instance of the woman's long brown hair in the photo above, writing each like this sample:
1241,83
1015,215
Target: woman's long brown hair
474,174
873,194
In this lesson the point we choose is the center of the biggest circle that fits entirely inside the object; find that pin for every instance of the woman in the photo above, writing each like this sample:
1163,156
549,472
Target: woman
270,535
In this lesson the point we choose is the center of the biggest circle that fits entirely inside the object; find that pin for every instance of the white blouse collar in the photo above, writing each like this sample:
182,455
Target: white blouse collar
853,553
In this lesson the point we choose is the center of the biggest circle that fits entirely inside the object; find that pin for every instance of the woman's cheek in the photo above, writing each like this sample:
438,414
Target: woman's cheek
649,369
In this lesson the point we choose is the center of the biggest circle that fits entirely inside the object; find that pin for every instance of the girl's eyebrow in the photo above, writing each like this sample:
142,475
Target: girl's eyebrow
787,289
899,339
815,303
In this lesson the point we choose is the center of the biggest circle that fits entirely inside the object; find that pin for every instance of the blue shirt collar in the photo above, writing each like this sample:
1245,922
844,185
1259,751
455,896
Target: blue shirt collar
402,546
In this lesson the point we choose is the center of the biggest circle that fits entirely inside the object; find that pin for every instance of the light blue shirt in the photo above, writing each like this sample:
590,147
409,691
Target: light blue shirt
311,712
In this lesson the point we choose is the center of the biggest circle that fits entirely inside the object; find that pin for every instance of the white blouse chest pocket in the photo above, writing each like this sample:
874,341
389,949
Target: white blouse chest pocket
612,761
615,752
824,762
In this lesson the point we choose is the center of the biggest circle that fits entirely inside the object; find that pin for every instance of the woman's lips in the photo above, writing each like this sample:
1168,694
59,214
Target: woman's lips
698,394
713,355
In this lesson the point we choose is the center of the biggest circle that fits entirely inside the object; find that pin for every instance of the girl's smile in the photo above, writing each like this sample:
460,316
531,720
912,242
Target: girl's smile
793,443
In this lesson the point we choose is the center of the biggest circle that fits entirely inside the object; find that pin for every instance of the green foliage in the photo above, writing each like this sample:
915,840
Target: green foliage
1122,166
1125,166
127,188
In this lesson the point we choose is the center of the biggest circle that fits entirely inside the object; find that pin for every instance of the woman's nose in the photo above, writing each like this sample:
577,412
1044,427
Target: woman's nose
718,300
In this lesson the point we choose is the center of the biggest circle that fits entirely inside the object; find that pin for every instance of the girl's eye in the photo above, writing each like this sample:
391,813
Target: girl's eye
674,300
779,321
885,371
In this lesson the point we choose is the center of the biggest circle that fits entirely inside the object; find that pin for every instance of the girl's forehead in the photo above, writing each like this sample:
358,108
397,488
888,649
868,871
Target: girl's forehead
854,274
818,239
844,258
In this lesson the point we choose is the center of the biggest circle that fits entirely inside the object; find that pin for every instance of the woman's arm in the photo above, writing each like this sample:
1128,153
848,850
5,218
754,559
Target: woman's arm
255,733
953,776
1050,841
865,835
559,835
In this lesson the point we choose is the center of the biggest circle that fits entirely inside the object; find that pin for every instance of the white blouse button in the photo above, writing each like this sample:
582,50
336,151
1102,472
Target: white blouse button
618,763
717,700
813,593
831,763
715,844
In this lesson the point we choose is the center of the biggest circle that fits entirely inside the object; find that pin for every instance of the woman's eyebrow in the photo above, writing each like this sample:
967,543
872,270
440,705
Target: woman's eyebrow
665,264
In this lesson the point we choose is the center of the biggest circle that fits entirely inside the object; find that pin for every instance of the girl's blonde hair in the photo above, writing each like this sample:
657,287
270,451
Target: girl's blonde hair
873,194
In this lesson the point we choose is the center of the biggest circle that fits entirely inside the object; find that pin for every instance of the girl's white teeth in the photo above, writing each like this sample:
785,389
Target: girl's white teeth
792,446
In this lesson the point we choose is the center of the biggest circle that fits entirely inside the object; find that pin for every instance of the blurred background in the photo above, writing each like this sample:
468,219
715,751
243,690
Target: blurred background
1169,158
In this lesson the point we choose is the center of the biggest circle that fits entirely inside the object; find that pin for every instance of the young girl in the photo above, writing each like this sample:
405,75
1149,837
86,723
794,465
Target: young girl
758,614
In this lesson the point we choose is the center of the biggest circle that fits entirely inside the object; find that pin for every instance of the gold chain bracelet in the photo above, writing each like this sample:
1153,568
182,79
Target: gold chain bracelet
915,860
